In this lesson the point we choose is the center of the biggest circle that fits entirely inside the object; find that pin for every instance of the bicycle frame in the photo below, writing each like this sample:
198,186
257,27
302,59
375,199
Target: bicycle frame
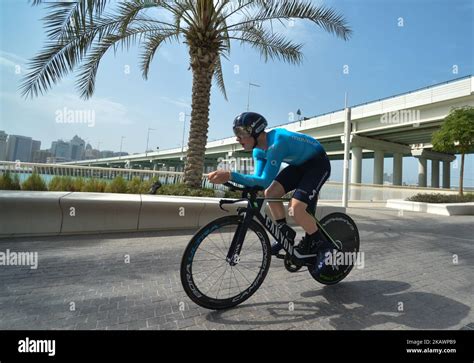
255,209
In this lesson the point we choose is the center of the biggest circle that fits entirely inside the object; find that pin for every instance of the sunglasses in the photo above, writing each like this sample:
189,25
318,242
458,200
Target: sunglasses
242,131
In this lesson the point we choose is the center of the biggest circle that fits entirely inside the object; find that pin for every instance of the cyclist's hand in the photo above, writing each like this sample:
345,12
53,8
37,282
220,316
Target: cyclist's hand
219,176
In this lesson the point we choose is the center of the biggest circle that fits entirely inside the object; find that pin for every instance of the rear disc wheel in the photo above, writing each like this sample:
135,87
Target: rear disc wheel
337,264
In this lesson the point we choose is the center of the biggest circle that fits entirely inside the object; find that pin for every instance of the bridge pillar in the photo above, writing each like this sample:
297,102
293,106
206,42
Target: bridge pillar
435,173
447,174
422,172
378,166
397,168
356,164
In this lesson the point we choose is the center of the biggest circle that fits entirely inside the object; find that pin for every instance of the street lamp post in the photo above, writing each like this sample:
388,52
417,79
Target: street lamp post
147,138
248,98
121,143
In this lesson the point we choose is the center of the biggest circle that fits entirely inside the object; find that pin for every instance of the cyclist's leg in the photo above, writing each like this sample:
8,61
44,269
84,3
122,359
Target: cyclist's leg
305,197
276,190
285,181
288,179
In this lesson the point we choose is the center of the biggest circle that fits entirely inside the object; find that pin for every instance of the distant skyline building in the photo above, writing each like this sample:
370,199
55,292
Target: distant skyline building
3,145
25,149
41,156
35,146
61,149
55,159
20,148
77,148
91,153
106,154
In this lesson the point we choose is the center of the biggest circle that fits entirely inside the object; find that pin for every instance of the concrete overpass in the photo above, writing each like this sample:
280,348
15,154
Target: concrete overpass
398,126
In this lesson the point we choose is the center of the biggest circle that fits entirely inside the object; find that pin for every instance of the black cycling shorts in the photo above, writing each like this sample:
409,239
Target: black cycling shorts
306,179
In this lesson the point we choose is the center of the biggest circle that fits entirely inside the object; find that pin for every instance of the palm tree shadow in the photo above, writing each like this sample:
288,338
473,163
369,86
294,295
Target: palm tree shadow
358,305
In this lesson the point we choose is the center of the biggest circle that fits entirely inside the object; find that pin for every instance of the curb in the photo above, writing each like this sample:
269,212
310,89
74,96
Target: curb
34,213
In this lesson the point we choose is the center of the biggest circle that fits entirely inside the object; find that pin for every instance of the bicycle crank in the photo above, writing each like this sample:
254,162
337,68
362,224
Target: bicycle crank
290,265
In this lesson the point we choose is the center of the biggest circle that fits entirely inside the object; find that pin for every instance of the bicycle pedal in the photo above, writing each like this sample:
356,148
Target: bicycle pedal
280,256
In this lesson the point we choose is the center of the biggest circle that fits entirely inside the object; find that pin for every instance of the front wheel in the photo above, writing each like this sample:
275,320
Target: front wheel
212,282
338,264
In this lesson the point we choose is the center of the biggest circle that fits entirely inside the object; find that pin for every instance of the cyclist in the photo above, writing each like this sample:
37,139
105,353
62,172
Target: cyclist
308,170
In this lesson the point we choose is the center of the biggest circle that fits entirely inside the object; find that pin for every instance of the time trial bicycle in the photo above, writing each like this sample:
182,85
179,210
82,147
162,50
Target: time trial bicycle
228,259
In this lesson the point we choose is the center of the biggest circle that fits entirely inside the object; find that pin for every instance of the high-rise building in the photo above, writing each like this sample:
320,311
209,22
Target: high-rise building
41,156
3,145
35,146
55,159
92,154
77,148
61,149
106,154
19,148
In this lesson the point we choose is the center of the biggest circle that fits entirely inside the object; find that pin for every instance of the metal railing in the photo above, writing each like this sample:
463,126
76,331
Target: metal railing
88,172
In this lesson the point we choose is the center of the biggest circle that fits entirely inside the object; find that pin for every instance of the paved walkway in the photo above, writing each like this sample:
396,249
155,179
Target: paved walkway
409,281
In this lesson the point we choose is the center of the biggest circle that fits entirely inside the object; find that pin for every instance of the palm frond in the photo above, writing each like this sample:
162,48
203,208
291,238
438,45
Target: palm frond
270,45
128,11
219,77
324,17
66,17
59,57
53,63
88,71
182,10
152,43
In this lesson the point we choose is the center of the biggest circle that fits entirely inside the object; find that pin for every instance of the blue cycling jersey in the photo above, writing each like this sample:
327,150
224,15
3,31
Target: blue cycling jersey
283,146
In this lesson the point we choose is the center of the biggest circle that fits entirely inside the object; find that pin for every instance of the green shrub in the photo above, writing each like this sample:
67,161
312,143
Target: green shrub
66,184
34,182
233,195
146,185
135,186
94,185
441,198
55,184
78,184
117,185
182,189
7,183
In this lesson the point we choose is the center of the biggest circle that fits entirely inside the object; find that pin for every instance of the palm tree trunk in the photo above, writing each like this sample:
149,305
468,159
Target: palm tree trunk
461,184
203,69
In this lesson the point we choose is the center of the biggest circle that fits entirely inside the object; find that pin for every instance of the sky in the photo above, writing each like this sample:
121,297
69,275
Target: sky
397,46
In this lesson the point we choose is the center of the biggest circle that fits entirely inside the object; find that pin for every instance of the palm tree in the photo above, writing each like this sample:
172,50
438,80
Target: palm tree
81,32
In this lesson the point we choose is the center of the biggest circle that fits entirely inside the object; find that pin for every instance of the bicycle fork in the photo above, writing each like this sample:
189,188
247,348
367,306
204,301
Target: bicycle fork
233,256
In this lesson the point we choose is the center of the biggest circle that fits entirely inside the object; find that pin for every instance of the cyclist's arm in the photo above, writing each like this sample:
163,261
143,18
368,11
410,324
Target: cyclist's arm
259,166
275,156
